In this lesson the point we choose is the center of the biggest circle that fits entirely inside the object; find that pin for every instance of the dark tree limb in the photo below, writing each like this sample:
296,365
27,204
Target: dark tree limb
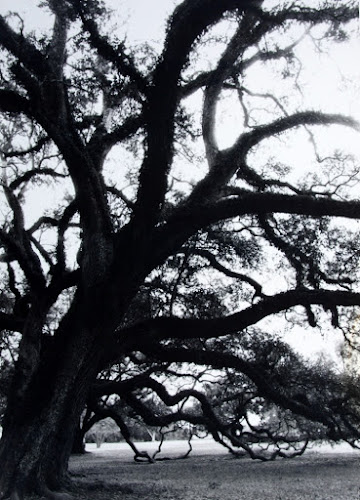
114,54
18,244
228,272
232,161
27,176
23,50
255,373
156,329
189,21
42,141
12,102
186,221
11,322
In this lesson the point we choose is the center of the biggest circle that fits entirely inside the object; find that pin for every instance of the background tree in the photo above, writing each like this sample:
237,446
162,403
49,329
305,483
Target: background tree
165,248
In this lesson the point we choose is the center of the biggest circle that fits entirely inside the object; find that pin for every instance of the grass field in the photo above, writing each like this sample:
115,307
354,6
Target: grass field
210,473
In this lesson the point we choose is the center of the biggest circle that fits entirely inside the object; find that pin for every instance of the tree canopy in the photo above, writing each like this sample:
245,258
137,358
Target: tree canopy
152,255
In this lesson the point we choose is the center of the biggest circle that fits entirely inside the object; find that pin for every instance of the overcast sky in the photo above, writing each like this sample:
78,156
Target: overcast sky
145,17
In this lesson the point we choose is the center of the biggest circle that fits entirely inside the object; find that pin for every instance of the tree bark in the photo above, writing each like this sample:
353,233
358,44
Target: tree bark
78,446
39,429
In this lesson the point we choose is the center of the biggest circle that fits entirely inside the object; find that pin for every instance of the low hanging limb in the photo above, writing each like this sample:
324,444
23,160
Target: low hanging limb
107,412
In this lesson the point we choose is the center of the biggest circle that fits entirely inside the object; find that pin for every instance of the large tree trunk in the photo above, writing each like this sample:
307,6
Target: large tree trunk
78,446
34,450
34,456
51,385
40,423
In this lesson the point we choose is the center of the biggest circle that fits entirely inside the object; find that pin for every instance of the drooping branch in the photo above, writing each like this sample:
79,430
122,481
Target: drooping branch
108,412
153,419
215,424
258,375
270,386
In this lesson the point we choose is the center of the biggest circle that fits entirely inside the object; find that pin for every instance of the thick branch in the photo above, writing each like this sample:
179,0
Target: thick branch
255,373
214,86
18,243
157,329
12,102
233,159
250,139
343,14
102,141
57,47
43,221
63,225
190,20
187,220
11,322
24,51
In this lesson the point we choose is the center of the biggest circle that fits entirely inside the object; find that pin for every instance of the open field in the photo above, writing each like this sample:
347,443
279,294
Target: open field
210,473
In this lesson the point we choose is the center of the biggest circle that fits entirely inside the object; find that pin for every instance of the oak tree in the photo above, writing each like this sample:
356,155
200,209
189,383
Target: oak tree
162,248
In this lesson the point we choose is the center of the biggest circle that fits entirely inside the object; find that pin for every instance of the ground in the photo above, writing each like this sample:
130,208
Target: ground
210,473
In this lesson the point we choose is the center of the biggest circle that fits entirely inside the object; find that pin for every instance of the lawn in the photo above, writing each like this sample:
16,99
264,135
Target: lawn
212,474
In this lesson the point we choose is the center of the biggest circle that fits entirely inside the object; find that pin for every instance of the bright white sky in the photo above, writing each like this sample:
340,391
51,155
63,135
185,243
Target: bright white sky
144,21
144,17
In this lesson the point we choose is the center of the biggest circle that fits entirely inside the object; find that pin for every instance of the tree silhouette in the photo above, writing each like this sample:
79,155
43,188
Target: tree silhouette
158,270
